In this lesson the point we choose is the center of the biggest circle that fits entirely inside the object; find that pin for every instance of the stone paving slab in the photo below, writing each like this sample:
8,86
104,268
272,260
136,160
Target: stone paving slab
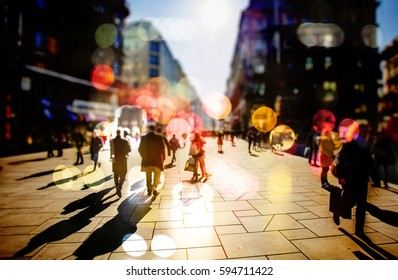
261,206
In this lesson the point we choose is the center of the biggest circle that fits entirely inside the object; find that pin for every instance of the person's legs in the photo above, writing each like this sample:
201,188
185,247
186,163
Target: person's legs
324,177
360,213
156,179
148,174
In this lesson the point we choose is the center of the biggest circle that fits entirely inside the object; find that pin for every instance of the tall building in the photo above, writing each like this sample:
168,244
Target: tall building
388,106
298,57
51,50
150,68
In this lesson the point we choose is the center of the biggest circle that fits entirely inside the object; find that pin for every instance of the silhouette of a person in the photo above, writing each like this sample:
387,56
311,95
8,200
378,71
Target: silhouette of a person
95,147
174,146
120,149
353,173
152,152
79,142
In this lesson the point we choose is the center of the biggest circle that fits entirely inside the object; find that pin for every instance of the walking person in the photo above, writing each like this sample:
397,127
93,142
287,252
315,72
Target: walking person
251,136
174,146
383,156
152,152
95,147
200,158
50,144
79,142
313,146
353,170
220,142
120,150
329,145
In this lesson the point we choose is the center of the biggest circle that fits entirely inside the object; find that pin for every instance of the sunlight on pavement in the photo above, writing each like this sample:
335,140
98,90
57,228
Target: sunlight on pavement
134,245
162,242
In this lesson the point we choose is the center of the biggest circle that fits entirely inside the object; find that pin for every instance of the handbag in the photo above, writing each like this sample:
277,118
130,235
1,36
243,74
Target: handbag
190,165
193,150
340,202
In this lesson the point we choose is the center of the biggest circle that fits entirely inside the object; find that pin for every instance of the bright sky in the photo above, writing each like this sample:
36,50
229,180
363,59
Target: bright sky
201,34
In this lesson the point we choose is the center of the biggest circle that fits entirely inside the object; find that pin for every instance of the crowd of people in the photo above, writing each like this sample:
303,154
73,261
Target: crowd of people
368,157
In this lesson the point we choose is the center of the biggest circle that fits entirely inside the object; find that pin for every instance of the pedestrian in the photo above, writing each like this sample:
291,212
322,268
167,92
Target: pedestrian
313,148
120,150
152,152
174,146
353,170
199,158
50,144
251,136
383,155
220,142
79,142
184,139
60,140
329,145
95,146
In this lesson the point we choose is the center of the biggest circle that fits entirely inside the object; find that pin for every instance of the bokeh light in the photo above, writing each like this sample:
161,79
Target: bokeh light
103,56
194,120
369,36
264,119
105,35
323,121
102,77
134,245
134,39
158,86
320,34
93,180
161,245
331,143
348,130
216,105
178,126
67,178
282,138
163,110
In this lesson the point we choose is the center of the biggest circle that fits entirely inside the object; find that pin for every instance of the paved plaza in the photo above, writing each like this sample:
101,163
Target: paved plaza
260,206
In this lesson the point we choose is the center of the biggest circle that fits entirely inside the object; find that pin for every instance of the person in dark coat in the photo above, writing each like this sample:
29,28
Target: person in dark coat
152,152
95,147
174,146
120,149
79,141
354,170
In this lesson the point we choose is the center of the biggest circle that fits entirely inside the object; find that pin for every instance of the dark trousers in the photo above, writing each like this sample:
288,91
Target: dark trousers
360,196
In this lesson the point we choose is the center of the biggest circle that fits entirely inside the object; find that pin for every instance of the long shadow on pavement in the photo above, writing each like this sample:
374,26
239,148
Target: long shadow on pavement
386,216
65,228
369,247
113,233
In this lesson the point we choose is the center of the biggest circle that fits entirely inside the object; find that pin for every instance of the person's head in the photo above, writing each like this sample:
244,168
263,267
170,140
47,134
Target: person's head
151,128
118,133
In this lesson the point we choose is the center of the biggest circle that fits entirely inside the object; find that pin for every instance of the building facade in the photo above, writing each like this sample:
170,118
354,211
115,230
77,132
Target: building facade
150,69
298,57
51,50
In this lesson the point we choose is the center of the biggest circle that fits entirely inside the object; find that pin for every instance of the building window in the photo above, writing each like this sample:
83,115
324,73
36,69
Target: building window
309,64
154,46
39,40
153,73
52,45
328,62
154,60
40,3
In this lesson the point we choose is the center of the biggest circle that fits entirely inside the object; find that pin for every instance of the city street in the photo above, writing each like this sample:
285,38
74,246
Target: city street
255,206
